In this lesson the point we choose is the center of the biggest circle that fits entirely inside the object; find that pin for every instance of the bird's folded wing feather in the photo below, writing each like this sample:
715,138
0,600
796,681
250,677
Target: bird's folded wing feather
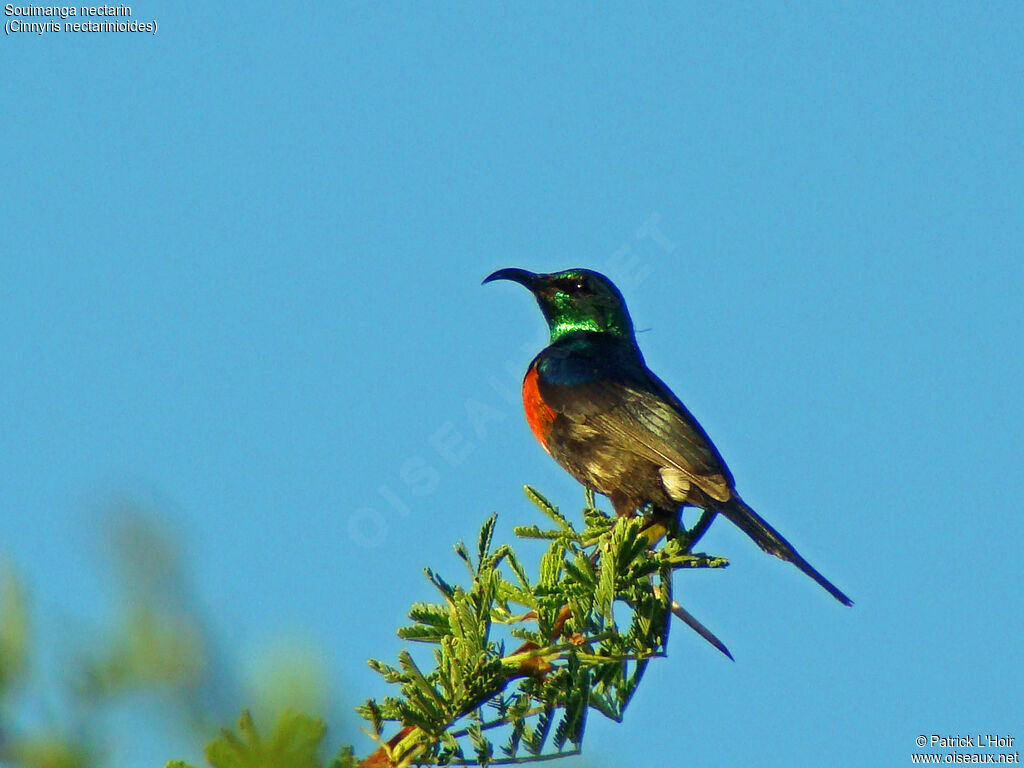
628,402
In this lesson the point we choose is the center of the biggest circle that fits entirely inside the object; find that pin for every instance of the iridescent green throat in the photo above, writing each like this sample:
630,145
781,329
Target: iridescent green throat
598,315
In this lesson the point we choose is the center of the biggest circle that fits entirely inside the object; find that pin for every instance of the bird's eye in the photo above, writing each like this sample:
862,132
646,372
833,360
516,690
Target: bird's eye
574,286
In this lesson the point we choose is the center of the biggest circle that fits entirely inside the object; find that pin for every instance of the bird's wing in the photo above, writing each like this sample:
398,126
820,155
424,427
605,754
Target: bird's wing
630,404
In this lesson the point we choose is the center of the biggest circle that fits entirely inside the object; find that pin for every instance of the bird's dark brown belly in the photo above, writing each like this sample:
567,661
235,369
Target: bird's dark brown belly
606,467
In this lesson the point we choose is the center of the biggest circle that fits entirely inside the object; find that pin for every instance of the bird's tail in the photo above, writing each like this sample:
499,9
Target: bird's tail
771,541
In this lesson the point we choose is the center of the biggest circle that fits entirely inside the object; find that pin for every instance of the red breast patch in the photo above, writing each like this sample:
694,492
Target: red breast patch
538,415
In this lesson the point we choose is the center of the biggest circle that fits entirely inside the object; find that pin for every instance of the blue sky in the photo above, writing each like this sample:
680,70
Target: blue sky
240,265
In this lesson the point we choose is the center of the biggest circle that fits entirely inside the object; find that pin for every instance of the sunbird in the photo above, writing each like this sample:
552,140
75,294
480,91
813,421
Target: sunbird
594,405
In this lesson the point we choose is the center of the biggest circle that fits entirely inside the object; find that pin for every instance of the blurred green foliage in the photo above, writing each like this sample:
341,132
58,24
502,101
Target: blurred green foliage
13,632
294,742
154,645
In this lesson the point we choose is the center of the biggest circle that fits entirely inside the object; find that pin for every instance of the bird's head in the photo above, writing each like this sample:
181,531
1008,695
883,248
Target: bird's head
574,301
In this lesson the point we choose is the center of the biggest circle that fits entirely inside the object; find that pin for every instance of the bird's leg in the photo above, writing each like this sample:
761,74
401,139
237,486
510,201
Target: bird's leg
653,528
660,523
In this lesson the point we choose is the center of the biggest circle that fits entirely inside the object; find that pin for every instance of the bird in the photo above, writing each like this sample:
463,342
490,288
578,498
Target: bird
599,411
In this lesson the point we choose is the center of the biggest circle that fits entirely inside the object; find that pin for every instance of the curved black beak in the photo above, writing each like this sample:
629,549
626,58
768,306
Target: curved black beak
516,275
